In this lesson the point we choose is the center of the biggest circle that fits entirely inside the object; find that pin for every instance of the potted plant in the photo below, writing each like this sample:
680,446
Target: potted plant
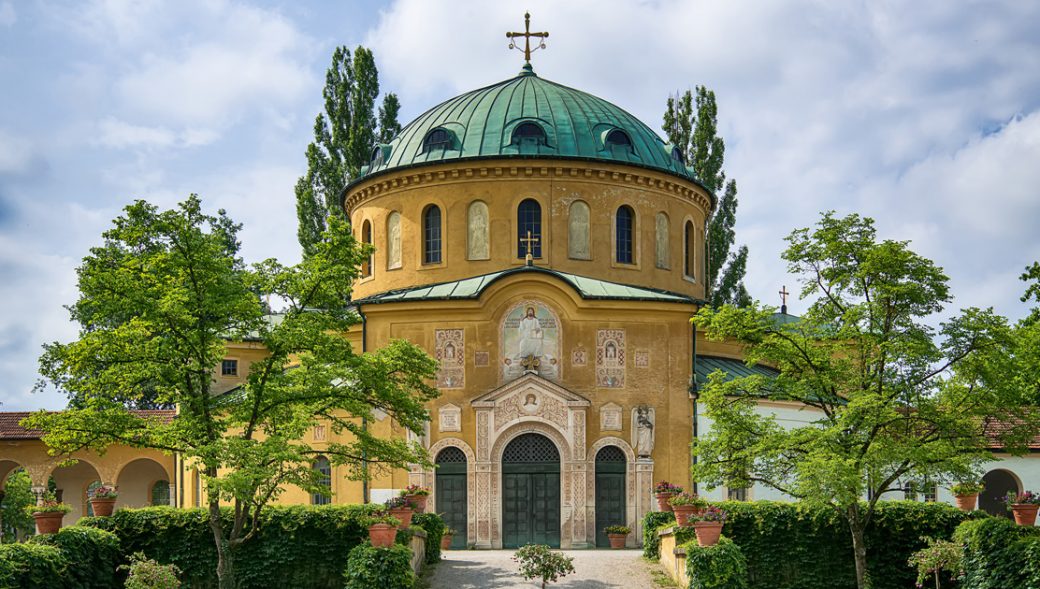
685,506
382,528
416,497
617,535
48,514
103,500
665,491
708,525
1024,506
400,509
966,494
449,533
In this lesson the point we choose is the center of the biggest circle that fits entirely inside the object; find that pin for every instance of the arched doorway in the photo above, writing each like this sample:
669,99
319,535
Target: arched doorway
530,492
610,492
998,484
450,492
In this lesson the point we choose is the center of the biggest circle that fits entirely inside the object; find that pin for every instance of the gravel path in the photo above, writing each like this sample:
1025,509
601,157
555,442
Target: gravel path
593,569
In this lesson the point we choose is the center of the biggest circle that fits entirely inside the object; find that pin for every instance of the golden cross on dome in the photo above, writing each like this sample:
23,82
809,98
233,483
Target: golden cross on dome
527,34
527,241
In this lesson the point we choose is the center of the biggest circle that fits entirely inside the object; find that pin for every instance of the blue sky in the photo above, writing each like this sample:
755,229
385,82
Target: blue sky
923,115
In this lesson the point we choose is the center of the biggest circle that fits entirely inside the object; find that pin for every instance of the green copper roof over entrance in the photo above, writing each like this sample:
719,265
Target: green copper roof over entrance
482,124
471,288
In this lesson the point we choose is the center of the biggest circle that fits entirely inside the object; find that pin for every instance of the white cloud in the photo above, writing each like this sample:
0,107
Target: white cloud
112,132
7,14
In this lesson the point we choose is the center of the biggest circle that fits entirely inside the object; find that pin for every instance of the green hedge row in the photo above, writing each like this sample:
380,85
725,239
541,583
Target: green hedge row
74,558
722,566
999,554
297,546
794,546
385,568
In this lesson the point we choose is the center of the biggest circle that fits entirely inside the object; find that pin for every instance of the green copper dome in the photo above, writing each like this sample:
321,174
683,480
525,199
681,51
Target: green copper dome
528,117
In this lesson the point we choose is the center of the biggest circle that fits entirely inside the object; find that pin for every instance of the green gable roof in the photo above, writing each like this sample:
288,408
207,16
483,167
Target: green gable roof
471,288
733,369
480,124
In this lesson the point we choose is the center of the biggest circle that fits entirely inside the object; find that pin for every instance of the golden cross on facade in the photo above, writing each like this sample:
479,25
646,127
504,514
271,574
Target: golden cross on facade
527,241
527,34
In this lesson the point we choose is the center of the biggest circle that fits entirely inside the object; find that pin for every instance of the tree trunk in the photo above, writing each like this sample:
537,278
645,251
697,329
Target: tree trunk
225,561
859,546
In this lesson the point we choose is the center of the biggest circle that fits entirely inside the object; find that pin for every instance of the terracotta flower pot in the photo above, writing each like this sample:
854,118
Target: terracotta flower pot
1025,513
382,535
446,542
707,532
404,514
662,501
103,507
683,513
48,522
418,502
966,502
617,541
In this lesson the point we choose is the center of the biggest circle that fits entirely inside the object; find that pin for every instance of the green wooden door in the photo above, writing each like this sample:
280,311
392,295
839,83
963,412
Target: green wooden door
530,492
610,492
450,492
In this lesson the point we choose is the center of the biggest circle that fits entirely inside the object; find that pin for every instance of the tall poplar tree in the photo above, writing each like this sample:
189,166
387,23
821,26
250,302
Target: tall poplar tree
691,123
343,138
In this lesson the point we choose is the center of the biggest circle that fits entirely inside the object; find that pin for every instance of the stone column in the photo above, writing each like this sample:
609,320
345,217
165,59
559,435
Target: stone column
644,492
579,490
484,473
173,495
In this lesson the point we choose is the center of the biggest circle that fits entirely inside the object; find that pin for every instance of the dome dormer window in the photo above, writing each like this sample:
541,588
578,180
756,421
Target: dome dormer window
618,139
379,155
529,134
438,139
677,155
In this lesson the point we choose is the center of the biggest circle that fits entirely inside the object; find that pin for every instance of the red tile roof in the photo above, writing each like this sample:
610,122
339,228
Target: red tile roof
11,430
995,429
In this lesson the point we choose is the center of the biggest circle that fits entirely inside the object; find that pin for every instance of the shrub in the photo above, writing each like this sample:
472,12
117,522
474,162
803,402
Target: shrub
296,546
721,566
385,568
92,556
434,526
999,554
145,573
966,488
651,522
623,530
538,561
941,558
31,566
684,499
48,505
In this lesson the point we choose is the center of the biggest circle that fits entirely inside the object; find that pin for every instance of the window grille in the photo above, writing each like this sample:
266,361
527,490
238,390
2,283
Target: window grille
451,455
531,448
610,454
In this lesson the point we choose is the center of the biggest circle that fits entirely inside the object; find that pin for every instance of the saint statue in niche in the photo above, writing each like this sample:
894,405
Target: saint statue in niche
530,341
394,233
449,352
478,231
644,431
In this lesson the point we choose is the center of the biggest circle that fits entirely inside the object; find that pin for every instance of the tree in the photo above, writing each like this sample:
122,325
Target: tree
691,123
891,399
14,498
343,139
180,291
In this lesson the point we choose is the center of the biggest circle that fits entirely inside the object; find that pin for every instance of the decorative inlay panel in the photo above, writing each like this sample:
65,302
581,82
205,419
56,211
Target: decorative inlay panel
450,351
610,358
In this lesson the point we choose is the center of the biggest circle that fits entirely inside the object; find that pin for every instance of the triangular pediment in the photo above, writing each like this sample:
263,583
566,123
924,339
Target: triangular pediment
529,381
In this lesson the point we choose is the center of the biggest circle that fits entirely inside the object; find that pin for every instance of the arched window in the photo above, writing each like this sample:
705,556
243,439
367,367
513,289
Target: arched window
432,235
618,139
578,232
366,238
477,243
677,155
378,156
529,134
160,492
689,257
625,219
324,470
393,241
529,224
662,242
438,139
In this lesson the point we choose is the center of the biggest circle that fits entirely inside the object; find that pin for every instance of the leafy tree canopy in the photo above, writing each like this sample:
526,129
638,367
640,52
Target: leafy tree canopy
691,123
159,301
892,399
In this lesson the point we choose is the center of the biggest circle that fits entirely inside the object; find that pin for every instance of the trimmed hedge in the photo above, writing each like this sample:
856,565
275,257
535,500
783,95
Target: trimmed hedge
74,558
385,568
297,546
794,546
721,566
999,554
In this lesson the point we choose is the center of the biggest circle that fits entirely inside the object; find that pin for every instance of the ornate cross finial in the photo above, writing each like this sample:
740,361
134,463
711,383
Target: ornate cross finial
527,34
783,299
527,241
